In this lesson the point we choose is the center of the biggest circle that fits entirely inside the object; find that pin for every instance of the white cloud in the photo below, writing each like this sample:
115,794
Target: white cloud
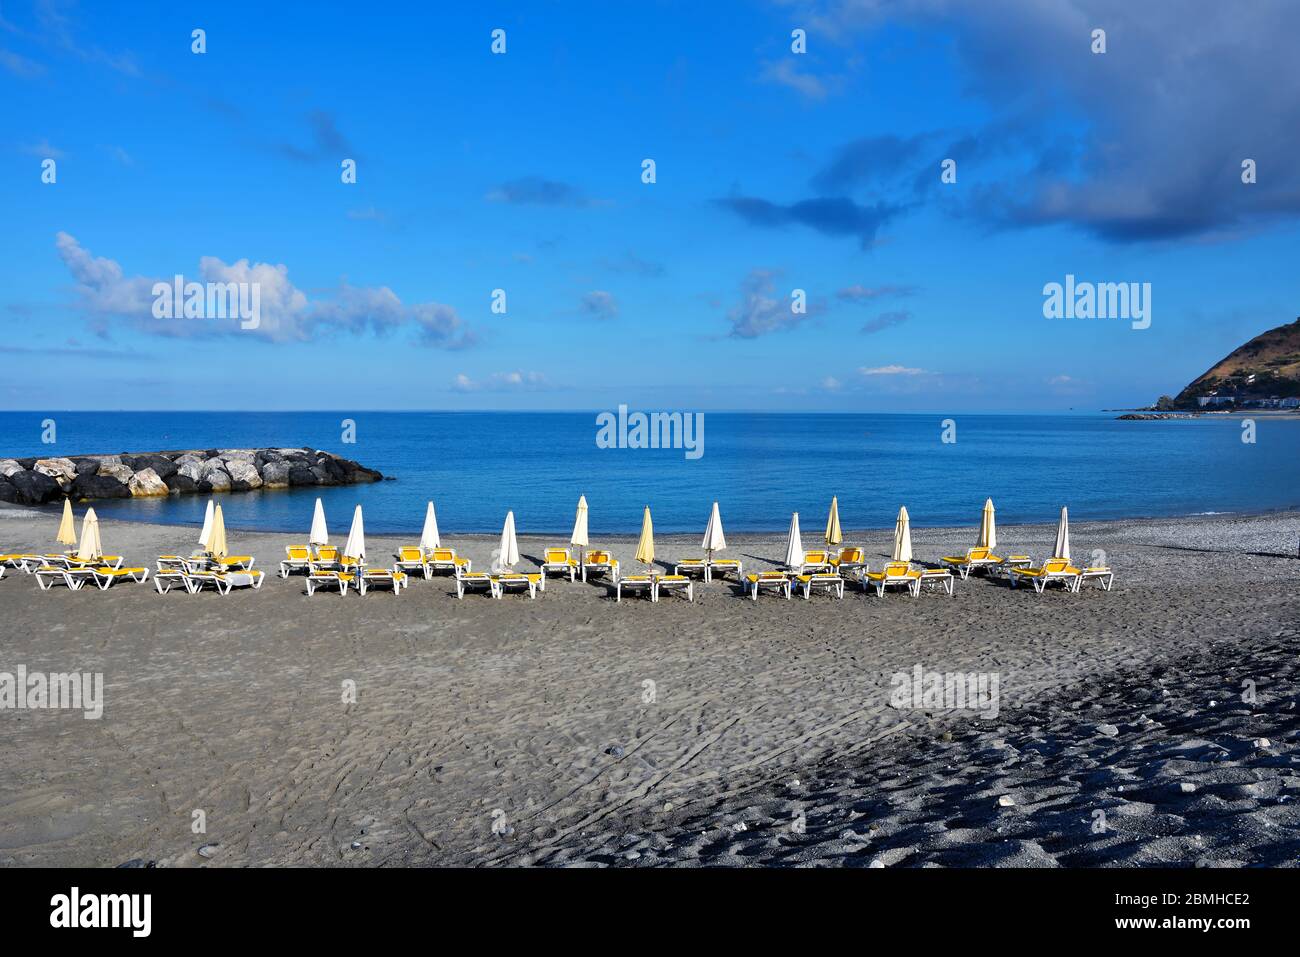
108,294
502,382
891,370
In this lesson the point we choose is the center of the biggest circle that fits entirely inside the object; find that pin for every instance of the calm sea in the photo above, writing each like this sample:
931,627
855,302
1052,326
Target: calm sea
760,467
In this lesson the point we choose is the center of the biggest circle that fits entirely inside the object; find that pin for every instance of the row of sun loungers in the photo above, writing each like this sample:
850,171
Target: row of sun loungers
326,569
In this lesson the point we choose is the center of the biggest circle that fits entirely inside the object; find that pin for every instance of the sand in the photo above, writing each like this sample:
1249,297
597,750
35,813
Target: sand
520,732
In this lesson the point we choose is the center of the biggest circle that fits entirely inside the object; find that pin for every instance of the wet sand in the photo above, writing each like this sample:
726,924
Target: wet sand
520,732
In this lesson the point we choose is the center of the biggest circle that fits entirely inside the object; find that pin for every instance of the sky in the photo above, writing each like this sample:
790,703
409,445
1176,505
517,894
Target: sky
775,170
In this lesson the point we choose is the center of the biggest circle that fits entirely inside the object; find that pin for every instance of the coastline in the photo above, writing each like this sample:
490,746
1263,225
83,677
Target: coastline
537,710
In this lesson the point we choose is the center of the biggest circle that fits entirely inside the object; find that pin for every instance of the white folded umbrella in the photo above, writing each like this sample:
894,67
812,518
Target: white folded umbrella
429,539
1062,549
90,548
356,544
509,552
320,535
714,540
205,536
794,545
902,537
579,536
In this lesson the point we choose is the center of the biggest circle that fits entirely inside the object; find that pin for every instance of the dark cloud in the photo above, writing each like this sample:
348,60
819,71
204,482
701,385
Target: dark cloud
831,216
1142,142
327,142
536,191
886,320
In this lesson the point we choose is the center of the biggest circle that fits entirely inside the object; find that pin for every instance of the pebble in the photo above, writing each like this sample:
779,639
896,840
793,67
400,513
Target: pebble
1187,787
1006,801
877,863
615,750
1108,729
356,845
1262,743
208,850
633,855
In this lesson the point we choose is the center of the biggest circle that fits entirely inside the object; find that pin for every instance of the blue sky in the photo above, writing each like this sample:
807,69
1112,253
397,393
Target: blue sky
775,171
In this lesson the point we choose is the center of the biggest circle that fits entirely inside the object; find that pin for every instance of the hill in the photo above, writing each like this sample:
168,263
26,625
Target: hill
1265,369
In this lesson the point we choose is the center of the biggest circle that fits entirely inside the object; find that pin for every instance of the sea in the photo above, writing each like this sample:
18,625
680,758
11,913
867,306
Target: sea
760,467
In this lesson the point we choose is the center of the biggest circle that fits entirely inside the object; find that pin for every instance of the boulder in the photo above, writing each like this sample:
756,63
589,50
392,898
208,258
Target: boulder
323,476
214,478
99,486
244,472
8,467
302,476
191,468
161,465
122,473
275,474
62,471
145,483
86,466
181,483
34,488
8,493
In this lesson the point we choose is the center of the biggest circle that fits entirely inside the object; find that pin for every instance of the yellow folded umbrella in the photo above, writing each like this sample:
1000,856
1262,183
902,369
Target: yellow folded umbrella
833,534
68,526
90,548
988,527
645,548
902,537
217,540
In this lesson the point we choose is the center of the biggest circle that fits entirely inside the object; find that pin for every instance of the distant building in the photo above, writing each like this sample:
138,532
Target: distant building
1291,402
1213,400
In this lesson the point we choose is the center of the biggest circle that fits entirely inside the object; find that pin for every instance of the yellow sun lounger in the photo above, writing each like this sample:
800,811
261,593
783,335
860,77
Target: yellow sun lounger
446,560
673,583
894,573
645,583
559,561
1052,570
850,562
974,558
600,563
329,578
777,581
297,558
104,577
410,559
475,581
519,581
381,578
829,581
223,582
1101,574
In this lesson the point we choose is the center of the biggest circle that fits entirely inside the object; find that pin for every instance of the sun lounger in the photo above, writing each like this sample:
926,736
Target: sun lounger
326,558
850,562
1004,568
446,560
1052,570
475,581
26,562
329,578
224,582
645,583
938,578
49,575
297,558
771,581
600,563
519,581
103,561
814,561
896,574
228,563
693,566
104,577
975,558
560,562
829,581
673,583
720,566
410,560
1101,574
165,579
395,581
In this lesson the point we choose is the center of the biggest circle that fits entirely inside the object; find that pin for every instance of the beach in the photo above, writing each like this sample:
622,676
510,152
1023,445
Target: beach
575,730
